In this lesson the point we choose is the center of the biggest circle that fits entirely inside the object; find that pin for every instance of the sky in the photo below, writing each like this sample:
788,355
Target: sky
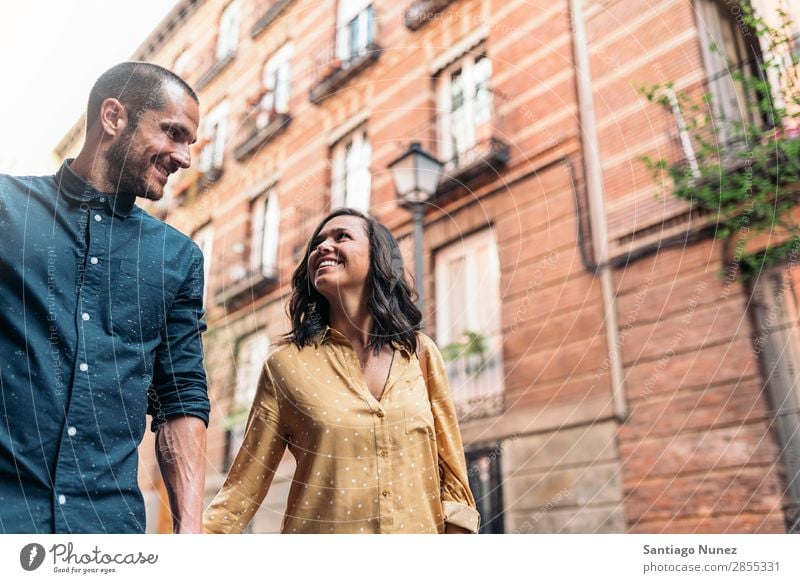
51,52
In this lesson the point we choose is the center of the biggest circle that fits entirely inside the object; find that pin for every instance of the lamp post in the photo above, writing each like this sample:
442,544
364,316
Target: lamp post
416,177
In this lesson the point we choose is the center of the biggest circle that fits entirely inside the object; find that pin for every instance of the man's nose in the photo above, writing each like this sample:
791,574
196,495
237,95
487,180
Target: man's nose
183,156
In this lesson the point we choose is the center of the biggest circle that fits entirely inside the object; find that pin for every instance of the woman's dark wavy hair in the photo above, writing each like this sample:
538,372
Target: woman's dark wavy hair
395,317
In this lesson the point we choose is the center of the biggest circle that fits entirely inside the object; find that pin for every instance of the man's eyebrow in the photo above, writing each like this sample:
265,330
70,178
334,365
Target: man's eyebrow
178,126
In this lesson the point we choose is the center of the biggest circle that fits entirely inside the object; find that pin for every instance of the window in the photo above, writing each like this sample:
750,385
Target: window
228,30
276,80
485,481
468,323
215,128
250,356
182,63
204,237
351,180
265,221
465,105
728,55
355,29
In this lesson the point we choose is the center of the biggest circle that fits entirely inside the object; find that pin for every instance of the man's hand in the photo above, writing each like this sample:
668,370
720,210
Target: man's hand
181,450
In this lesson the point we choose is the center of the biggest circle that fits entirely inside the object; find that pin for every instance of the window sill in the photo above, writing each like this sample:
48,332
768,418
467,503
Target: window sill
423,11
487,157
215,70
341,73
254,285
258,137
269,16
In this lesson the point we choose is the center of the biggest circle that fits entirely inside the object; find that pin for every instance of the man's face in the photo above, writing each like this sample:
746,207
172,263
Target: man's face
144,155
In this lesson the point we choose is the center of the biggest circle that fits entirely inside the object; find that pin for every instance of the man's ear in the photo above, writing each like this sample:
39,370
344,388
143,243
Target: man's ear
113,117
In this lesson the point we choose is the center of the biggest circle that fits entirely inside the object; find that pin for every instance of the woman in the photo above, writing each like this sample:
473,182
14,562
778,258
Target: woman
376,439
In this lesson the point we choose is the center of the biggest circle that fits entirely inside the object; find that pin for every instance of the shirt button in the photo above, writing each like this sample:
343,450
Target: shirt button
385,493
94,260
102,199
98,218
379,414
71,431
84,367
85,316
62,499
384,453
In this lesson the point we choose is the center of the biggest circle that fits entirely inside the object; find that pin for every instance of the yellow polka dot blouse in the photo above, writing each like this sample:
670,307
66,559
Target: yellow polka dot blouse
394,465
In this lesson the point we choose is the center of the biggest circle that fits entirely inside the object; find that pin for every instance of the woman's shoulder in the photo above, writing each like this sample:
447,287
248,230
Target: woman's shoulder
280,352
425,344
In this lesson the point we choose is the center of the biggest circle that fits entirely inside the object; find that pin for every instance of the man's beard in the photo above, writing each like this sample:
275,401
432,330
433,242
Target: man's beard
126,172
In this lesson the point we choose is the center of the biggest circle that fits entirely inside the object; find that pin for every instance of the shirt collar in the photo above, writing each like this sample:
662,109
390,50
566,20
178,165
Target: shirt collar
329,334
78,190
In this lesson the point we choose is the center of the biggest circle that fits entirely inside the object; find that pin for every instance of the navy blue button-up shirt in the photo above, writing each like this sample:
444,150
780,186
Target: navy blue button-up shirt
100,324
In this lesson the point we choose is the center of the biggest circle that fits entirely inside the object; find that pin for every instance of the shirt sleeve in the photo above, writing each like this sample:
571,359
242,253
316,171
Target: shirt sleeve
458,503
179,380
254,468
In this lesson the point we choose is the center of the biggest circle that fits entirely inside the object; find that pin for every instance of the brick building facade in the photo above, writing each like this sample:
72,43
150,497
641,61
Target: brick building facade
616,387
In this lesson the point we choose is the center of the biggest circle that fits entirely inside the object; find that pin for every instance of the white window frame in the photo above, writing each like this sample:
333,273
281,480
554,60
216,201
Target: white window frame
266,218
475,113
204,237
354,16
251,353
276,80
730,102
228,36
475,394
216,125
351,183
182,62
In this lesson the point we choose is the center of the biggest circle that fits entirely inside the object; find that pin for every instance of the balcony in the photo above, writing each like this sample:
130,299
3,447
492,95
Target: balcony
259,126
214,70
193,182
247,286
336,61
423,11
273,11
475,387
472,144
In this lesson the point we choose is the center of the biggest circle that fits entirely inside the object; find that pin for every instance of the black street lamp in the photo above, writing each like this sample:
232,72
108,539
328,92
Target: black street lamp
416,178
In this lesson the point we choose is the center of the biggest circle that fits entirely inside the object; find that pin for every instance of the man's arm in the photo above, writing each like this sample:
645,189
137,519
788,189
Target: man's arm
180,449
178,402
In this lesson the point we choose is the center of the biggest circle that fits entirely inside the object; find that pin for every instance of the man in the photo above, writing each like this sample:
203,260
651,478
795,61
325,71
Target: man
100,321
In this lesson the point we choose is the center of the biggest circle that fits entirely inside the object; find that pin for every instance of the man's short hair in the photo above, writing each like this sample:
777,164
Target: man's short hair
139,86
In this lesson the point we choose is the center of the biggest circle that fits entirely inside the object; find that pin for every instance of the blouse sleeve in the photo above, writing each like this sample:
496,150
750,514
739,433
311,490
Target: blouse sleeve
253,469
458,502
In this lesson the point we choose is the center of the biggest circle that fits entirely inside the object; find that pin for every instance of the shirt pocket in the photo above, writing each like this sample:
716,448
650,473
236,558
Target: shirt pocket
417,407
138,306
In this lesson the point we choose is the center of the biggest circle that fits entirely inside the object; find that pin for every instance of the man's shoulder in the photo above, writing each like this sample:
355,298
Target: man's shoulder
172,235
11,182
15,191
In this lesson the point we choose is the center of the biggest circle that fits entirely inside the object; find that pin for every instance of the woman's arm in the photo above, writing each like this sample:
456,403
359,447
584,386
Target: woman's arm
252,471
458,503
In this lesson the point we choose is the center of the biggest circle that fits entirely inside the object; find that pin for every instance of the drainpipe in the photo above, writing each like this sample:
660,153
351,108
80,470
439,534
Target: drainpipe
597,208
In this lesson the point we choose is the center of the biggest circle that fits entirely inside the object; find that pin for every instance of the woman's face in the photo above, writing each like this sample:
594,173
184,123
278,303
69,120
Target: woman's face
339,259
